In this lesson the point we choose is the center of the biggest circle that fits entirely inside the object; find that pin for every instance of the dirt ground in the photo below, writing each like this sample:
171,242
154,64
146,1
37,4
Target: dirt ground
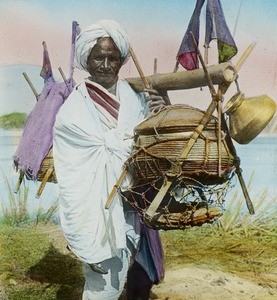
195,282
191,282
198,283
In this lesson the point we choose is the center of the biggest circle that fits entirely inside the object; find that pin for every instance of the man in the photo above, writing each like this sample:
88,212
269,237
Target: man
92,139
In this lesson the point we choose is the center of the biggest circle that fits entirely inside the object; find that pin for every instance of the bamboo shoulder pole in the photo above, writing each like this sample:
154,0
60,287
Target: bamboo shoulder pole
247,198
124,171
205,119
222,74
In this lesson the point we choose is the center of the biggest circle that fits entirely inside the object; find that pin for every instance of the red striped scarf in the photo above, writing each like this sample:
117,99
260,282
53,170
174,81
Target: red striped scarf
104,100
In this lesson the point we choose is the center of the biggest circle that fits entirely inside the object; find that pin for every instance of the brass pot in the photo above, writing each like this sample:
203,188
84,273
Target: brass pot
248,116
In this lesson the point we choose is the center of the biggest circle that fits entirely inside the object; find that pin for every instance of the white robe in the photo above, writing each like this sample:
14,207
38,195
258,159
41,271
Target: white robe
88,161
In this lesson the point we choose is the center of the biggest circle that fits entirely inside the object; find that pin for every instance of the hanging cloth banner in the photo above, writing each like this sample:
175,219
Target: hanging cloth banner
216,28
37,136
187,54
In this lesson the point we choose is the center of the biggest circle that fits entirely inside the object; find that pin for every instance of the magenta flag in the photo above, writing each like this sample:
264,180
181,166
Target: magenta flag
187,55
216,28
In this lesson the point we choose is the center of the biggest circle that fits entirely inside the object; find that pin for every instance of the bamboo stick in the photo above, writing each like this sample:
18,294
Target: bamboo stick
205,119
30,84
124,171
216,97
219,144
44,181
238,65
223,89
64,78
155,66
142,76
176,67
206,55
222,74
243,58
115,188
20,179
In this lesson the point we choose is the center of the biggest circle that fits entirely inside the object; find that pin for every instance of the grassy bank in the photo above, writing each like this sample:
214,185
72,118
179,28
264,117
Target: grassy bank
238,243
252,255
13,120
35,264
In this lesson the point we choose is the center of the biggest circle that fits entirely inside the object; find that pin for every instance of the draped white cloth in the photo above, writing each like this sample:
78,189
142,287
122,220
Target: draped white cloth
88,161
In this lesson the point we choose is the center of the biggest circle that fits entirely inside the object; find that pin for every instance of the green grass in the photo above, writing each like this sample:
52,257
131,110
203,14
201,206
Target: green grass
34,267
15,212
237,243
34,262
13,120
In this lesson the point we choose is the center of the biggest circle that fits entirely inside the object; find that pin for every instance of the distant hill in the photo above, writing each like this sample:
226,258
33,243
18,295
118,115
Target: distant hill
13,120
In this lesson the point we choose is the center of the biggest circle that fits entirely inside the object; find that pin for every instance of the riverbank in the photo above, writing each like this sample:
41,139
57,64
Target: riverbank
200,263
196,282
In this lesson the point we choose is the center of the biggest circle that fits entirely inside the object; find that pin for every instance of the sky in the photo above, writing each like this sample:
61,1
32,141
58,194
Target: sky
156,29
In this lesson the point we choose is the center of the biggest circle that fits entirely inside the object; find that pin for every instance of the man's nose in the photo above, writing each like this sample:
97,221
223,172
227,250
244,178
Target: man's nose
106,63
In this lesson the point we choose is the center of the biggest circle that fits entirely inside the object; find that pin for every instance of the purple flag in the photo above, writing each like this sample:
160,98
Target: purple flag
187,55
37,136
216,28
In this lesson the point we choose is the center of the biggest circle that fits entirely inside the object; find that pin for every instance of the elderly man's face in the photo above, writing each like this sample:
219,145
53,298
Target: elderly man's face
104,62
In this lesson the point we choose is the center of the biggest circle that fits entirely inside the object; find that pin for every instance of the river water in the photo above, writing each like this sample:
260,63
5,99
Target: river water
258,157
9,140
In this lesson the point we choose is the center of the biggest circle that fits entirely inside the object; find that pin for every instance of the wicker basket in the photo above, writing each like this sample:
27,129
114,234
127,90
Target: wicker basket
160,140
47,163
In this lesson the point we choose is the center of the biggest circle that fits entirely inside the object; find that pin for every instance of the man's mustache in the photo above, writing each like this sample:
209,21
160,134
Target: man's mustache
105,72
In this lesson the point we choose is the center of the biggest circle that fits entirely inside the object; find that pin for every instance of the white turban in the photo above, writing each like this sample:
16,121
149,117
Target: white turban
89,36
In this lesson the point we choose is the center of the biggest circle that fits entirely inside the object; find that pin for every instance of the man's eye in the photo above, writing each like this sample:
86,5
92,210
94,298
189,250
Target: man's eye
114,59
100,58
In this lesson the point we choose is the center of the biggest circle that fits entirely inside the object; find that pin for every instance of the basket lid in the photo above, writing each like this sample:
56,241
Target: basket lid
173,118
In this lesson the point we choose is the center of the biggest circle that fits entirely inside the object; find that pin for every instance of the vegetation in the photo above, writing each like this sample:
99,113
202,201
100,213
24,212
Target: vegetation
15,212
238,243
35,264
32,267
13,120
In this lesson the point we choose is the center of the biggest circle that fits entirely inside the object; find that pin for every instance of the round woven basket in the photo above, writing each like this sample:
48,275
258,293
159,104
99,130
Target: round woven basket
47,163
160,140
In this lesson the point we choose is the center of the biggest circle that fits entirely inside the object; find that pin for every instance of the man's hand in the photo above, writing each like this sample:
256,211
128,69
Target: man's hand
98,269
156,101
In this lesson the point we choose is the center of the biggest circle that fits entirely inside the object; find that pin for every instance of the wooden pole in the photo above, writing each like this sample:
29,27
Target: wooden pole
176,67
238,65
31,85
44,181
219,144
124,171
244,56
155,66
142,76
223,89
223,74
197,131
216,97
20,179
206,54
64,78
